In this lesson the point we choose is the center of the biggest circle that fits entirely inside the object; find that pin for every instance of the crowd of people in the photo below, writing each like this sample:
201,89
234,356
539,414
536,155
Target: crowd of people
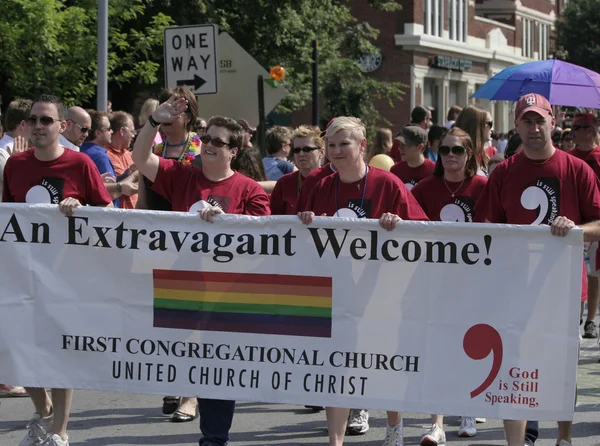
174,160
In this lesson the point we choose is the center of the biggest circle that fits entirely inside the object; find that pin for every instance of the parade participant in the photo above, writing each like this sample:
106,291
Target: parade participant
126,180
248,162
359,191
450,194
49,173
477,123
541,186
210,190
566,140
381,145
308,149
79,124
278,144
414,166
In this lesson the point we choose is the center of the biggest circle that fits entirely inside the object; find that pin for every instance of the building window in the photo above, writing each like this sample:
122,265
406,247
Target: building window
544,41
527,38
458,17
433,17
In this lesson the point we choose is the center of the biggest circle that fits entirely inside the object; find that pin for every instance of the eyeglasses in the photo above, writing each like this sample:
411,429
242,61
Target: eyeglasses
490,124
45,121
305,149
217,143
456,150
82,129
579,127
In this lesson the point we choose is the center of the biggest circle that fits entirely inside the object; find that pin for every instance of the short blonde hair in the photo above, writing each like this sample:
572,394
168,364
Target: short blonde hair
353,125
305,131
149,106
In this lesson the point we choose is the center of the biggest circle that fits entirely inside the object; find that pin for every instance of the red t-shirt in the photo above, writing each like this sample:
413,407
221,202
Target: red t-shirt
71,175
436,200
523,192
310,182
188,190
285,194
410,176
383,192
592,158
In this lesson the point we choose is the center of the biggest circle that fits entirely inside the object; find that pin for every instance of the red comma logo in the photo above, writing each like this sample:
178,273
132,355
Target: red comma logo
479,341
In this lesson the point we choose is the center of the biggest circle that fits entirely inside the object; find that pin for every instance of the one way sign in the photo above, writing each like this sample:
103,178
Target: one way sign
191,58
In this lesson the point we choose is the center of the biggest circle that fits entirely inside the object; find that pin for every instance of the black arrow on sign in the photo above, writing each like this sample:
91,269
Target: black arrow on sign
196,82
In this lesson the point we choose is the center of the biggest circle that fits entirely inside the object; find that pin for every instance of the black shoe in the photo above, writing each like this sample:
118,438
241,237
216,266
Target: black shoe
589,330
170,405
315,408
180,417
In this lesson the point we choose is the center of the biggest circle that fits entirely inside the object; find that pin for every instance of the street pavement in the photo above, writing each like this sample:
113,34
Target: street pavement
105,418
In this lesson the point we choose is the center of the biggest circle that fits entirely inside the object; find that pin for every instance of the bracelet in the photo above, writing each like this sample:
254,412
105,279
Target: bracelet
152,121
119,190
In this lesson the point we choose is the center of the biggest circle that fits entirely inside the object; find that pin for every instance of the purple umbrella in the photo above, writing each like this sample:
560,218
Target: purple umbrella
560,82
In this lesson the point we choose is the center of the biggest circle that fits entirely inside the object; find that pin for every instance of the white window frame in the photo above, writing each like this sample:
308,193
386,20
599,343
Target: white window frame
458,19
433,17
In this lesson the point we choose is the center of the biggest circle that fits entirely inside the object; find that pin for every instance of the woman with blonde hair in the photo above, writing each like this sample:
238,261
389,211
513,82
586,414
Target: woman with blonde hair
149,106
382,144
478,124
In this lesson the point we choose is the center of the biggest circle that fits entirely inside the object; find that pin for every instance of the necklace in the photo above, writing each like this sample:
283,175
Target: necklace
453,193
362,200
191,148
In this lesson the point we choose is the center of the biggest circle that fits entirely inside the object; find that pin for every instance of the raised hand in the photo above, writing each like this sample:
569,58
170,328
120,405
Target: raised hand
170,110
20,145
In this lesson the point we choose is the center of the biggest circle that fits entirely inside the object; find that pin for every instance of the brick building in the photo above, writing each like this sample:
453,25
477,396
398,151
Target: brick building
443,50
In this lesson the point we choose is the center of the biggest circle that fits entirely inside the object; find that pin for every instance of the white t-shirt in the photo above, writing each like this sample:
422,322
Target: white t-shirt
66,143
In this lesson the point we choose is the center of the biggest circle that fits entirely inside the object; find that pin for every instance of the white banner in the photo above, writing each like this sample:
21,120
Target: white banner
450,318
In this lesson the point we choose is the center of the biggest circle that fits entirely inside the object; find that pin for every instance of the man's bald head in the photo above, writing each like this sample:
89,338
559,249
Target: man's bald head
78,125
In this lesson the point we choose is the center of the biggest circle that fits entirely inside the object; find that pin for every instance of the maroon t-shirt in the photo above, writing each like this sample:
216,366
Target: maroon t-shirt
591,158
311,181
71,175
186,187
521,191
411,176
434,196
382,192
285,194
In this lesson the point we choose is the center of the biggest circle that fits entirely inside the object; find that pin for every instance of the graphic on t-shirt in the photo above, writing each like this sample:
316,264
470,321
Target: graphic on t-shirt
49,191
411,184
220,202
354,210
545,197
461,210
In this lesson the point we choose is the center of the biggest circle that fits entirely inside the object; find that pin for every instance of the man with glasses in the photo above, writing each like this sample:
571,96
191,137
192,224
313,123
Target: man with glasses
123,132
78,128
49,173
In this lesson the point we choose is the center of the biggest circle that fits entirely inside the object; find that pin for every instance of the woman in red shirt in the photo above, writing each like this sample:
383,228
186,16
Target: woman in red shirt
308,149
450,194
359,191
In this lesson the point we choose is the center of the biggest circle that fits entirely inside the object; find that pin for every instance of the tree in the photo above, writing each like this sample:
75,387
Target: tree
578,34
49,46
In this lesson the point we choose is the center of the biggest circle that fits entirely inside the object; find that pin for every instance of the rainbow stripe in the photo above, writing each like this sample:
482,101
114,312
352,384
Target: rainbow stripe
243,303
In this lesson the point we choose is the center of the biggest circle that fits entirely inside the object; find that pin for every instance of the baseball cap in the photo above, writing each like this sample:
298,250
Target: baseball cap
533,102
326,127
247,127
412,135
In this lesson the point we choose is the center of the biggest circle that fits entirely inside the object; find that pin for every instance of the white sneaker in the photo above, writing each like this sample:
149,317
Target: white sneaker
394,436
37,430
481,420
358,422
55,440
467,427
435,436
564,443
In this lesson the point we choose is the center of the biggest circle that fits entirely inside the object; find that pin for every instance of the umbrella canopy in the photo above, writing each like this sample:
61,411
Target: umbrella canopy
560,82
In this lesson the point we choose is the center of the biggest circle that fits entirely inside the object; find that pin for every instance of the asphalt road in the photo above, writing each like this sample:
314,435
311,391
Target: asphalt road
104,418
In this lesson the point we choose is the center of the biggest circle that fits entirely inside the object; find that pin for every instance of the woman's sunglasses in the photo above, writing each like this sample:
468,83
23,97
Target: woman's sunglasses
456,150
216,143
305,149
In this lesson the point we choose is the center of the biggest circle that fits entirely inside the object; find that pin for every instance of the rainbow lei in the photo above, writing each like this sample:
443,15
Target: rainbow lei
190,150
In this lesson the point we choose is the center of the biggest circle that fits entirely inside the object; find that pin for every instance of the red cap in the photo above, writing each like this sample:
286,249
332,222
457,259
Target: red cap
533,102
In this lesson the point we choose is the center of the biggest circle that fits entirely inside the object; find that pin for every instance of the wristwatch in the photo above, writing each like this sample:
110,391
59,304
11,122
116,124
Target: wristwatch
152,121
119,190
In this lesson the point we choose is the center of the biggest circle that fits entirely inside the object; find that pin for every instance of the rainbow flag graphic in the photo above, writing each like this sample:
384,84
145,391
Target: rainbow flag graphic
243,303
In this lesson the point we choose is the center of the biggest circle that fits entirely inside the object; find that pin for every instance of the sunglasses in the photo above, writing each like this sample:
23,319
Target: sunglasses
217,143
82,129
46,121
490,124
579,127
456,150
305,149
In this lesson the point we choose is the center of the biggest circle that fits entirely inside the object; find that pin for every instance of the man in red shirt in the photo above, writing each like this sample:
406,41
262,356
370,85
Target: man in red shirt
50,173
212,189
584,131
541,186
414,166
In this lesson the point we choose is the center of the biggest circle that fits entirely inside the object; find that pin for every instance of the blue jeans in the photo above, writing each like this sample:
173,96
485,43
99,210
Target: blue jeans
216,417
532,431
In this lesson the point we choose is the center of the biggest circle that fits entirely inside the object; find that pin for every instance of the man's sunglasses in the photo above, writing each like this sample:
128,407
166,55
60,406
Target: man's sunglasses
217,143
82,129
579,127
46,121
305,149
456,150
